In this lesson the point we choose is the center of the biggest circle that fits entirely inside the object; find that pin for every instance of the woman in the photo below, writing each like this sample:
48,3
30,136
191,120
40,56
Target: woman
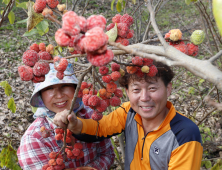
52,96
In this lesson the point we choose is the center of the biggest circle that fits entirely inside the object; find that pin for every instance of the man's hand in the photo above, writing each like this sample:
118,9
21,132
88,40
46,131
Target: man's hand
64,120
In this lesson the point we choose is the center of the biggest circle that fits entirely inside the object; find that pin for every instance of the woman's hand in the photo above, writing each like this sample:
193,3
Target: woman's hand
64,120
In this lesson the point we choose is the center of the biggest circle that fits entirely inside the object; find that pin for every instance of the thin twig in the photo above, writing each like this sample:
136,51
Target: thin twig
196,4
218,55
137,8
218,37
125,6
53,19
153,22
8,9
85,7
98,80
206,116
77,88
56,11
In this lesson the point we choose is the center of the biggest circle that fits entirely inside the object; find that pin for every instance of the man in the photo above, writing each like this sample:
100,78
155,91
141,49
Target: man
157,136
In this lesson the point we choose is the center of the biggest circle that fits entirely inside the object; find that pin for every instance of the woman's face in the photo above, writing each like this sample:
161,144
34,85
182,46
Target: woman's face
58,97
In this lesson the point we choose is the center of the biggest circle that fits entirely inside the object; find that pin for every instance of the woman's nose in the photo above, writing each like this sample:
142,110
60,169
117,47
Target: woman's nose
58,93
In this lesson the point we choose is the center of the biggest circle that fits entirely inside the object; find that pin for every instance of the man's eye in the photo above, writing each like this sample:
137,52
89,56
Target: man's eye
152,88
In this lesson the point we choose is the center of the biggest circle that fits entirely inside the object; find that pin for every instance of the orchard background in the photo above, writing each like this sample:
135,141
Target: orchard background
196,77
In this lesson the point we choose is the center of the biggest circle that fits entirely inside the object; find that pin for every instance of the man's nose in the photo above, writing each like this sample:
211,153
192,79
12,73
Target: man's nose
145,95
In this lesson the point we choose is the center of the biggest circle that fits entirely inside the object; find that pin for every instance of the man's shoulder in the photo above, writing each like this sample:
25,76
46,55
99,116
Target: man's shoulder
184,129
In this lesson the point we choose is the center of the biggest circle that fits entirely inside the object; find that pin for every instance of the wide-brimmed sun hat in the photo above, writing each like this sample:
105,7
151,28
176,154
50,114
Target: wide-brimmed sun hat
51,79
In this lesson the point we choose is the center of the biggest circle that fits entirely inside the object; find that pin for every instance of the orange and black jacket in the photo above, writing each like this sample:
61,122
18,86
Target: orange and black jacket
175,145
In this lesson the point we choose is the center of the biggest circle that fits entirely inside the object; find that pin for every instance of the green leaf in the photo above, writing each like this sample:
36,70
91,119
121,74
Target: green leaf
6,2
208,164
112,3
119,6
2,12
60,49
16,2
188,2
22,5
11,17
217,6
134,2
34,109
216,167
200,82
76,59
3,84
115,151
32,32
42,26
11,105
22,21
8,89
56,52
124,4
112,33
8,158
191,90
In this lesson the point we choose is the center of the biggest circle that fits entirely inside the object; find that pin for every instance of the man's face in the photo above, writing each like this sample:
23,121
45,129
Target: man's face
149,99
58,97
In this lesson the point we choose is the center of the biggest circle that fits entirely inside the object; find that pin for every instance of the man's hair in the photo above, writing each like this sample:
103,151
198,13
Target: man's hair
164,72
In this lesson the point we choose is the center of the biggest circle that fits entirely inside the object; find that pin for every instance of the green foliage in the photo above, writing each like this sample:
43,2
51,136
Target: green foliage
8,158
207,164
41,29
191,90
119,5
11,17
7,87
6,2
217,6
189,1
11,105
8,92
112,3
115,150
200,82
112,33
34,109
22,5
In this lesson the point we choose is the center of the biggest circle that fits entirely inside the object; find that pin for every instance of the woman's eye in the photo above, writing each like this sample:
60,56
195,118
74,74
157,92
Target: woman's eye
48,88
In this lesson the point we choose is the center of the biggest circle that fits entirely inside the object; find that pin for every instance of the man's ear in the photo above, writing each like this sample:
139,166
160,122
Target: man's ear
169,89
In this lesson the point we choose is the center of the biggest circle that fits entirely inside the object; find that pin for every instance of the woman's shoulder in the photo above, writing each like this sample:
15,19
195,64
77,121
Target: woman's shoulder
34,127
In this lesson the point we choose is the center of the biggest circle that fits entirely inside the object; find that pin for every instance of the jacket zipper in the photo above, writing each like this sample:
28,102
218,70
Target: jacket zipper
144,138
